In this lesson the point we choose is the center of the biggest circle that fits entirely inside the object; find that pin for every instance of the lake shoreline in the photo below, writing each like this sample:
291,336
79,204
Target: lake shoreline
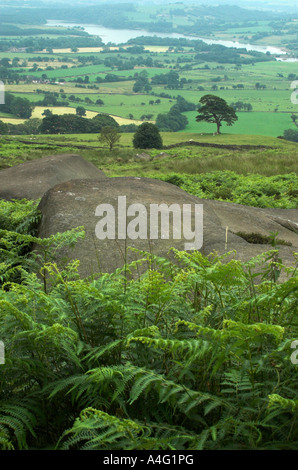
108,36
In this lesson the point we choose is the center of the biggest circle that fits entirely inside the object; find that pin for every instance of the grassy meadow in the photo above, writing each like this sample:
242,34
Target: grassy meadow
266,166
248,123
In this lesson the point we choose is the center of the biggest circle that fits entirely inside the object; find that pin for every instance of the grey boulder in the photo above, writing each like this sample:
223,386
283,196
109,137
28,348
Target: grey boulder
87,202
30,180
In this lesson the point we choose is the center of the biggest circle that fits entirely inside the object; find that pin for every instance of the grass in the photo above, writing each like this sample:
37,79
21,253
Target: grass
29,88
122,106
245,162
191,160
248,123
261,100
170,138
74,71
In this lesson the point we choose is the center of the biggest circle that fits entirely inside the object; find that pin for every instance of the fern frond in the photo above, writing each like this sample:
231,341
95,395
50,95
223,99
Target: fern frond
283,403
16,421
100,430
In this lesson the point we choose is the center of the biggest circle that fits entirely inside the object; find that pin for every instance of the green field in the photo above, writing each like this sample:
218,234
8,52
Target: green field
271,104
271,157
248,123
72,71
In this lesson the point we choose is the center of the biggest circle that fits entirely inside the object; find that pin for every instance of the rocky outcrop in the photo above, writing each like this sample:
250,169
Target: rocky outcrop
247,219
32,179
107,205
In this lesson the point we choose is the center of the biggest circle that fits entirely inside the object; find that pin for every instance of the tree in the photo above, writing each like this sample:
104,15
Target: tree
127,128
146,117
80,111
259,86
52,124
173,121
32,126
147,136
170,79
138,87
216,110
66,124
5,62
110,135
47,112
3,128
291,134
294,119
184,105
50,100
20,107
142,84
239,106
103,120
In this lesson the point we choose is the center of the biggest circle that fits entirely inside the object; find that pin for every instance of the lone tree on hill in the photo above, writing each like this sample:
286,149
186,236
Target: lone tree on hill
215,109
110,135
147,136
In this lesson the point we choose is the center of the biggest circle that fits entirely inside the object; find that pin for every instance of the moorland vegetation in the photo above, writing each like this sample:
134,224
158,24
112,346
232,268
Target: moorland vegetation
193,354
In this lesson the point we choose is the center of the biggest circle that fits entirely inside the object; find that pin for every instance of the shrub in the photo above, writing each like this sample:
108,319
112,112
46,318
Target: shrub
147,136
291,134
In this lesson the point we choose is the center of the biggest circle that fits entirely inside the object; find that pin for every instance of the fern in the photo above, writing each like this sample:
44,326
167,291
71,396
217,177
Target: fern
99,430
283,403
15,423
178,353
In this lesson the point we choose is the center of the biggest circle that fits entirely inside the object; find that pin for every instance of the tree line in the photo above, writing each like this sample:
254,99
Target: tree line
174,120
20,107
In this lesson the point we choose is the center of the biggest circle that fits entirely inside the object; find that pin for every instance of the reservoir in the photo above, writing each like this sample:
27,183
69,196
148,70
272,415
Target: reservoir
121,36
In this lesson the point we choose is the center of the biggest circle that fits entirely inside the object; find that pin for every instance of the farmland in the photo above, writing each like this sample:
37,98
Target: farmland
107,74
120,100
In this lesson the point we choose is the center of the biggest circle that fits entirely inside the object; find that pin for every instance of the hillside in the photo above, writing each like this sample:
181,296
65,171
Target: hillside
148,229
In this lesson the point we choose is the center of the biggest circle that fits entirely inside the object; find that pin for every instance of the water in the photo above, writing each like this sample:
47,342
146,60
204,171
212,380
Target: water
121,36
115,36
